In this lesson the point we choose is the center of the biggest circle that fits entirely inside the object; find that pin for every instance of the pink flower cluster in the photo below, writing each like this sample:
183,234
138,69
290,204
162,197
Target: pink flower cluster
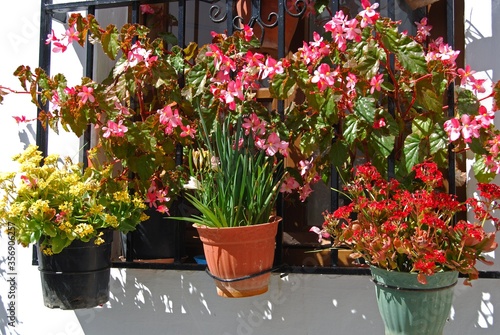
138,54
157,198
171,119
61,44
272,145
230,82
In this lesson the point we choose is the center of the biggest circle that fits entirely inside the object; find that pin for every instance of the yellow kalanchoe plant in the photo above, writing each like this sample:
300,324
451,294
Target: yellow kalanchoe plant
55,201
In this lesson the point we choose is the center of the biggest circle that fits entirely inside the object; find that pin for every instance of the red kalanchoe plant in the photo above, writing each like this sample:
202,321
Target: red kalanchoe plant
411,229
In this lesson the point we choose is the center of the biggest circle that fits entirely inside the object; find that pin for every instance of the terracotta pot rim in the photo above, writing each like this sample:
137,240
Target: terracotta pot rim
272,220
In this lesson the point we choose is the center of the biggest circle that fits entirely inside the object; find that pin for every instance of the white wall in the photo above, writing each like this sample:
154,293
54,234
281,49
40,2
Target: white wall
185,302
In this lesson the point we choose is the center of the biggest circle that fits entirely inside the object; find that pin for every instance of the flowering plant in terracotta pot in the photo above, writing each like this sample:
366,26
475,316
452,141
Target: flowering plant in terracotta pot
59,203
235,170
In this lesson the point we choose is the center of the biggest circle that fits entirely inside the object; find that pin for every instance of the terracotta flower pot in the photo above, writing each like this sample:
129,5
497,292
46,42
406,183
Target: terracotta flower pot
240,258
414,4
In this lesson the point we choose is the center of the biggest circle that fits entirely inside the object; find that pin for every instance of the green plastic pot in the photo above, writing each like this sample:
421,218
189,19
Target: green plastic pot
408,307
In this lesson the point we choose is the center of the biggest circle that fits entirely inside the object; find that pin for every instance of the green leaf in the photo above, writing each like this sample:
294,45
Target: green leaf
339,153
366,109
351,130
412,150
110,43
423,124
482,172
380,144
409,53
438,140
467,102
427,98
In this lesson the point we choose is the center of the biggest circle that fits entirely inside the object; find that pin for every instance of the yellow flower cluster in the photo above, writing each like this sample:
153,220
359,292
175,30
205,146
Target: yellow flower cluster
62,202
83,229
111,220
66,226
66,207
39,208
96,209
121,196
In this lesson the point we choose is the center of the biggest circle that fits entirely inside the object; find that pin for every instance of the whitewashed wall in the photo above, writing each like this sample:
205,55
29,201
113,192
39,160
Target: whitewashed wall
184,302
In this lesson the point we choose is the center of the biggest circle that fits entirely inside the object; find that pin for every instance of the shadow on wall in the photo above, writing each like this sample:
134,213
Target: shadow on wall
185,302
482,52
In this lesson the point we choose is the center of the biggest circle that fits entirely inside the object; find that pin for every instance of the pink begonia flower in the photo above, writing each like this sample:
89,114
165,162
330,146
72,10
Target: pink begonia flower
453,128
170,118
70,90
288,185
72,35
336,24
352,32
30,182
248,32
157,196
22,119
254,59
320,47
380,123
485,117
305,166
466,75
187,131
321,234
493,164
55,100
114,129
351,81
304,192
254,124
324,77
270,68
260,143
163,209
274,145
368,15
51,37
86,94
494,145
122,110
470,128
376,83
59,47
477,85
138,54
423,29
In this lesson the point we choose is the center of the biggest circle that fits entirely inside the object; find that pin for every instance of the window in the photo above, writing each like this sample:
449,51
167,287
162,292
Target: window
193,21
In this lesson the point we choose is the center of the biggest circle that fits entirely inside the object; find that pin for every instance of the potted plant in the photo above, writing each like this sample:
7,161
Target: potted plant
236,172
407,234
377,95
71,215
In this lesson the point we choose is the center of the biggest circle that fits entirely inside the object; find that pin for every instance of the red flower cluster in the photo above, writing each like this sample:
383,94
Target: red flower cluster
410,228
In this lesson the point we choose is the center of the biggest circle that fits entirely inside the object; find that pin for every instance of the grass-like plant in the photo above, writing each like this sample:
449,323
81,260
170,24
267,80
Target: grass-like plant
236,180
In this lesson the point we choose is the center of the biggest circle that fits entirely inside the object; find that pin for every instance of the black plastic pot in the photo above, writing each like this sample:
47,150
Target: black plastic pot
154,238
77,277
